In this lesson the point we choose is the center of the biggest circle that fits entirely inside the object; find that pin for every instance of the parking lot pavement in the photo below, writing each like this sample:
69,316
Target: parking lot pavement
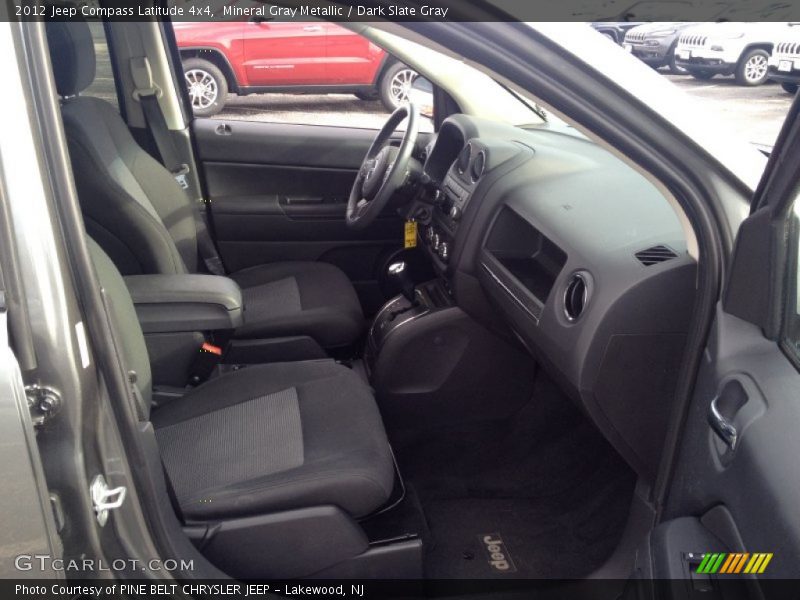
754,114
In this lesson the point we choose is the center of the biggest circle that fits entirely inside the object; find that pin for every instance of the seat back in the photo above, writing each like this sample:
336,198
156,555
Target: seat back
132,205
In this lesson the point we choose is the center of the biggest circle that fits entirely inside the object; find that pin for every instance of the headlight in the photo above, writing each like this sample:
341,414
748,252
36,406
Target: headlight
662,33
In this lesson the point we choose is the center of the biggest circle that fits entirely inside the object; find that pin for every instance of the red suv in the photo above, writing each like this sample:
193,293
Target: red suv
260,56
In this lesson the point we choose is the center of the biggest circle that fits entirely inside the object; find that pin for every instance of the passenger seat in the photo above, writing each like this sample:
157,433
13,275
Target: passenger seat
258,445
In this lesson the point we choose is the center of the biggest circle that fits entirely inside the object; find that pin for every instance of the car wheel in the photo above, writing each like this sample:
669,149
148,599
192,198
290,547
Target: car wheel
790,87
395,85
207,86
752,68
367,96
674,67
701,74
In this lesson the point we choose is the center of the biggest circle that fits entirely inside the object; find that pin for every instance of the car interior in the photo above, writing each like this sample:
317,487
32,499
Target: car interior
329,399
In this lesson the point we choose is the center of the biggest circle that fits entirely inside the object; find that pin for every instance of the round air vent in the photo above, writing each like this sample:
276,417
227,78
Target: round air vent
575,296
478,165
462,162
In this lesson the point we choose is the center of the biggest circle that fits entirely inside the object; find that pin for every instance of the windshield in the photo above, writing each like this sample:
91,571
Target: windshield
778,11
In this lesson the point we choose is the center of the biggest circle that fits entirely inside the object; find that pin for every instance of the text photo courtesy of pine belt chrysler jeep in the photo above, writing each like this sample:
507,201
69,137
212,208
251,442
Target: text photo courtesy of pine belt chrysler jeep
260,56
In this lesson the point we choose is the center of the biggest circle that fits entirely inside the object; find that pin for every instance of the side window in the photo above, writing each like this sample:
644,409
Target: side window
282,71
103,85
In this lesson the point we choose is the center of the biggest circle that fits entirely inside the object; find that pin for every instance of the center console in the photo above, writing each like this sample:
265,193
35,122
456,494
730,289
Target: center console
429,362
188,322
450,203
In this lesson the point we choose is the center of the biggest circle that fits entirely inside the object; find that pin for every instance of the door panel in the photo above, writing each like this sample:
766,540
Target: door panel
278,192
284,53
737,473
756,390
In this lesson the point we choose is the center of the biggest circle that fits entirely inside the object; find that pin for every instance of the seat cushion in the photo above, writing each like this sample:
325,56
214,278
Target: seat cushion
300,298
276,437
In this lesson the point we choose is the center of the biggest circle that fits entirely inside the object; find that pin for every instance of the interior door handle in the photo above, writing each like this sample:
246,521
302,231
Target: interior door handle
722,426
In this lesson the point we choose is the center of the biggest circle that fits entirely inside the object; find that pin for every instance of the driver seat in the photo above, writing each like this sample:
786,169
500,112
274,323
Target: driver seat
136,211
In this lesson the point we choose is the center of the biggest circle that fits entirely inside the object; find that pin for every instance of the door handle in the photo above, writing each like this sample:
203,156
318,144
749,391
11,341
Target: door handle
721,426
312,28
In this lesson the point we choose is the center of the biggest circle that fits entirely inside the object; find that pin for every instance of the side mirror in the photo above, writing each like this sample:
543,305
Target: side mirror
421,94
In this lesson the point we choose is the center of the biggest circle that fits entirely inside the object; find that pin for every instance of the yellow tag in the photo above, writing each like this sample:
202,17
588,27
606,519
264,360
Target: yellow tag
411,234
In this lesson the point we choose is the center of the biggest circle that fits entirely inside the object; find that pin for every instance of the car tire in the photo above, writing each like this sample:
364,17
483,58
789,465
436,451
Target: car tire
367,96
700,74
752,68
790,88
206,85
674,67
395,85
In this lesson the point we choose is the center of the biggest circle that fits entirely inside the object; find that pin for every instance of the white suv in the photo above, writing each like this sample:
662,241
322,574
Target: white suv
784,65
739,49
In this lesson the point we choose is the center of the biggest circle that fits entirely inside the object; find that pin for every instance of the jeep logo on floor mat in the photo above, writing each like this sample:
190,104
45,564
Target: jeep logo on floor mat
499,558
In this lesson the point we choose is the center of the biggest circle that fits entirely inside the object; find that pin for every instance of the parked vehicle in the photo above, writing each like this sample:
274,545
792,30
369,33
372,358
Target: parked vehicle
730,48
261,56
616,27
784,64
614,30
654,43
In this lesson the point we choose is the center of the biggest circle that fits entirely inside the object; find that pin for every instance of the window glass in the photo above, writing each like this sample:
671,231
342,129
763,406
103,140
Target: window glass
311,72
103,84
792,327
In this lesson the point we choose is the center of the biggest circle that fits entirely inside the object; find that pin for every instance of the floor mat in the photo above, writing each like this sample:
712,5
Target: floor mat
546,482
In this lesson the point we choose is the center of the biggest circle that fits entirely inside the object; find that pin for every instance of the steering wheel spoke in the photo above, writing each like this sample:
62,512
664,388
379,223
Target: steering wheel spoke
383,170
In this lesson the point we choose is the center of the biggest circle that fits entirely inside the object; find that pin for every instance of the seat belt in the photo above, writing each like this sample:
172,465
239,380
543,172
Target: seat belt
147,93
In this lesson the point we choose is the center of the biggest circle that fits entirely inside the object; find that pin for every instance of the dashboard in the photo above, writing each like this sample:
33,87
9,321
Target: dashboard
550,239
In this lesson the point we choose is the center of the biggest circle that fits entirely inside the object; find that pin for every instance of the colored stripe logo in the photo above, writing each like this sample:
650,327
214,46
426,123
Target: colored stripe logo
734,563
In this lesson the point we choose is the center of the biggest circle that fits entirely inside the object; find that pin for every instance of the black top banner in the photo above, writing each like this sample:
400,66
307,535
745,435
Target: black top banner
631,11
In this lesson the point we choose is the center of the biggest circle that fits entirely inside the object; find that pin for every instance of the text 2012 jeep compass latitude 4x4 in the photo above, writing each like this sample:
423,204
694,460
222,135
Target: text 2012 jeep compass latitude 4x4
260,56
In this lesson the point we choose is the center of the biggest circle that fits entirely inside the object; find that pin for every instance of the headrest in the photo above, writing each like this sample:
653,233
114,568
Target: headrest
72,55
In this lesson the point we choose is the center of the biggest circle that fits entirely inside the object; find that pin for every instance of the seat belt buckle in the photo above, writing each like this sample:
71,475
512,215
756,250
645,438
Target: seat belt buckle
180,176
204,363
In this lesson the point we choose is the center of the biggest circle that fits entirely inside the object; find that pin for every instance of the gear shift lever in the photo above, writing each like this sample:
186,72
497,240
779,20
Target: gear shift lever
397,271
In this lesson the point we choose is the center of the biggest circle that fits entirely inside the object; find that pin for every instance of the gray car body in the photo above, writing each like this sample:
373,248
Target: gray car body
655,50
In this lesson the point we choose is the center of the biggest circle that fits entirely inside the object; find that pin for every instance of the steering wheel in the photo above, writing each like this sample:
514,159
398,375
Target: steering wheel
383,171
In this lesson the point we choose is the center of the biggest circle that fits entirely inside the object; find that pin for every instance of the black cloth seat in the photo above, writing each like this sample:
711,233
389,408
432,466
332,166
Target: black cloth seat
276,437
146,223
262,439
299,298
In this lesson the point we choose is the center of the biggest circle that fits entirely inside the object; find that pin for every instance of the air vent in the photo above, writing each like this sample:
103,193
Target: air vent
478,165
575,296
655,255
